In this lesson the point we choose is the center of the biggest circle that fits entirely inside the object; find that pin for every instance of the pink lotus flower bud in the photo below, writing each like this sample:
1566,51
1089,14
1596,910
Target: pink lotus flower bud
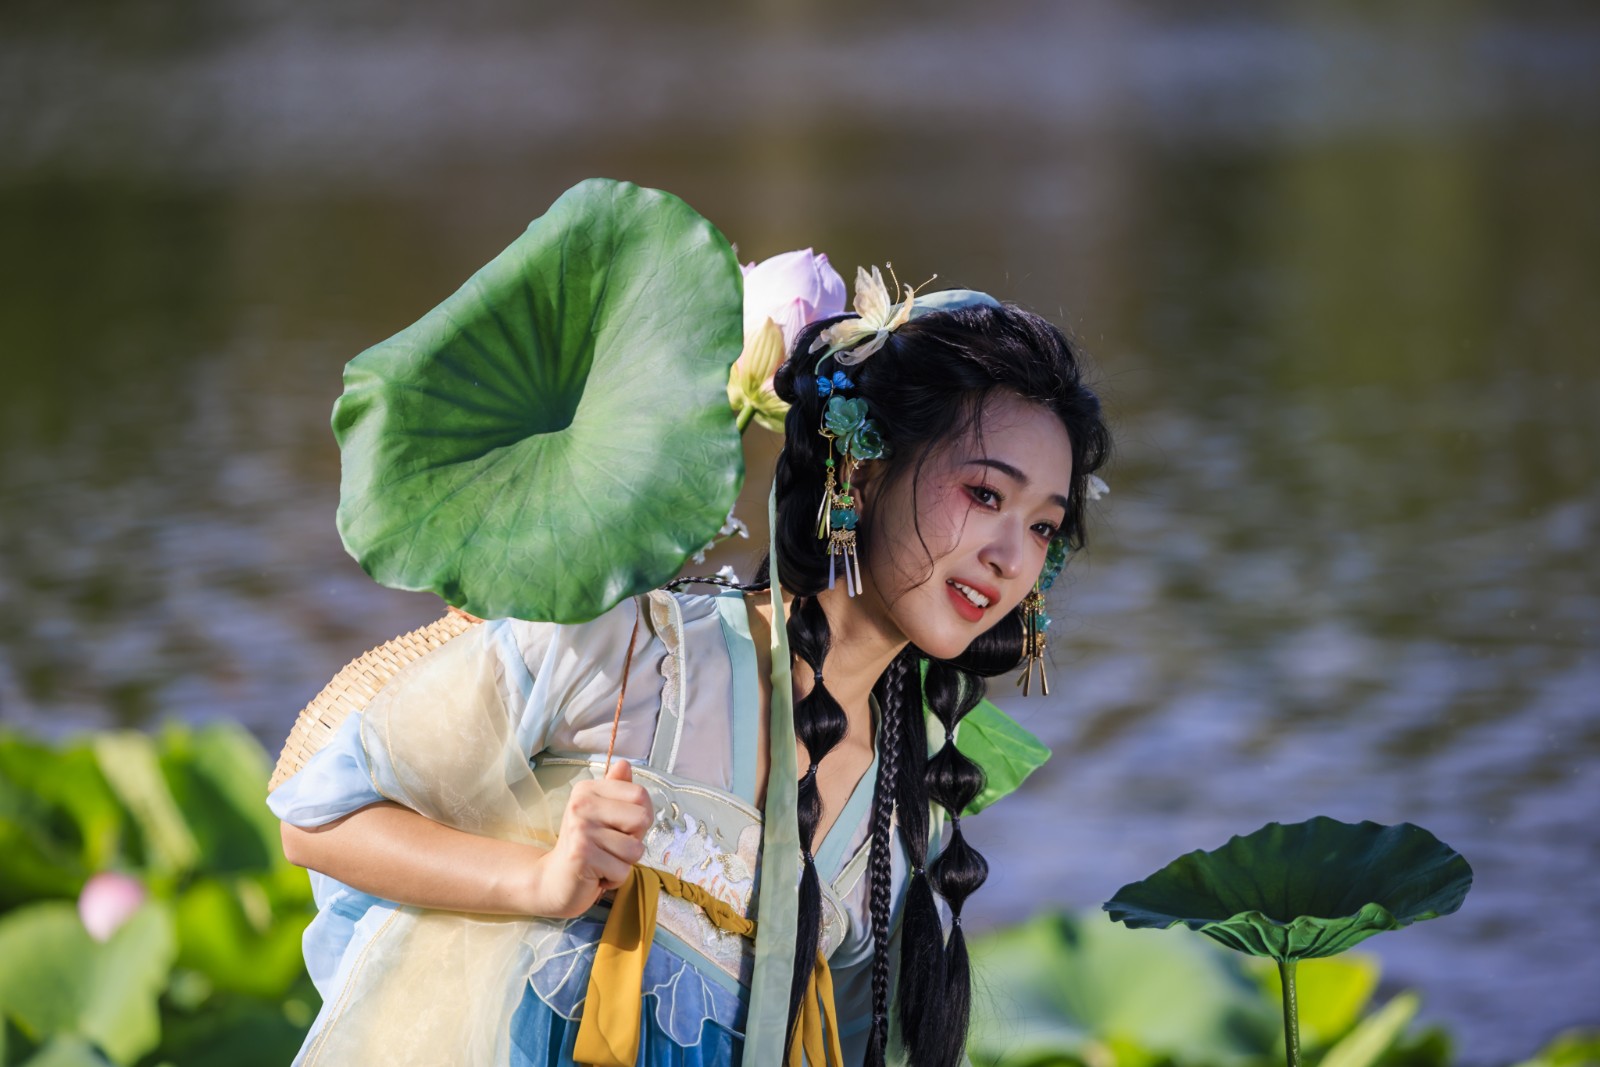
781,296
791,289
108,900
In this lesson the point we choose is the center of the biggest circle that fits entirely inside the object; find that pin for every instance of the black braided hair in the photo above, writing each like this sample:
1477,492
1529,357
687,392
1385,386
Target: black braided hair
894,702
926,385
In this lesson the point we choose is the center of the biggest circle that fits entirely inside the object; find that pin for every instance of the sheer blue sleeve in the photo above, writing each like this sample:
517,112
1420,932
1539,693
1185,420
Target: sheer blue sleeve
334,782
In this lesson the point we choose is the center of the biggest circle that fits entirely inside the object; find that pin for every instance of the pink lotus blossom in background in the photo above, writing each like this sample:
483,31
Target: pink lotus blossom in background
108,900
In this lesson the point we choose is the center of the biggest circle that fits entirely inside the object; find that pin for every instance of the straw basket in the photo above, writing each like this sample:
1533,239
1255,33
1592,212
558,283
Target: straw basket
355,686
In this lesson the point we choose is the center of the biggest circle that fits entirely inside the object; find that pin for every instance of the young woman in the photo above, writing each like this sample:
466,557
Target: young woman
943,461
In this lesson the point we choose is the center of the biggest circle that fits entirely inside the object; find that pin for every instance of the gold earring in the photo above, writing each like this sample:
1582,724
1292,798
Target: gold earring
1035,621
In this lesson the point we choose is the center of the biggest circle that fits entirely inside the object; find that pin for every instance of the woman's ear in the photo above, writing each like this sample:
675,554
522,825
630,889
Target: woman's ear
865,481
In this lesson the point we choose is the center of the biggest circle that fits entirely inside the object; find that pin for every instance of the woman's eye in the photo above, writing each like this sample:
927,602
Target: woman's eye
1046,530
984,495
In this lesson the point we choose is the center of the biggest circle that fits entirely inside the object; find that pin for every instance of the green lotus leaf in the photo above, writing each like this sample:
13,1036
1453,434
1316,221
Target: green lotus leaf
1303,890
1007,753
57,981
1060,986
555,436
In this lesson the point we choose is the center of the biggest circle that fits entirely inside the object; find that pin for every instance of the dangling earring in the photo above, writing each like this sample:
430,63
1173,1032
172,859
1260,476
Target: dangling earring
1035,621
837,525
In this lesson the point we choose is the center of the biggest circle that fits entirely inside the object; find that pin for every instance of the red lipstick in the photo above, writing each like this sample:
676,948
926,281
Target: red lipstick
966,608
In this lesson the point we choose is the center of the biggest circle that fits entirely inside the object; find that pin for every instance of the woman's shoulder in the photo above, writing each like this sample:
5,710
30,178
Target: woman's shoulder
659,612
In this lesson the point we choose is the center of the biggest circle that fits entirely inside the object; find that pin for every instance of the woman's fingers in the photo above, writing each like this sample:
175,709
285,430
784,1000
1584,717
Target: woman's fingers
618,805
610,870
624,847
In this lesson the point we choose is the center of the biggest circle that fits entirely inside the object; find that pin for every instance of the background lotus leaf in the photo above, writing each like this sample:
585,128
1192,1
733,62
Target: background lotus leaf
59,820
56,981
556,435
1302,890
1063,986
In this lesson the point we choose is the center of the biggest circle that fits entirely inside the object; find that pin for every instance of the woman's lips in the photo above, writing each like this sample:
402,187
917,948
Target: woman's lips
969,611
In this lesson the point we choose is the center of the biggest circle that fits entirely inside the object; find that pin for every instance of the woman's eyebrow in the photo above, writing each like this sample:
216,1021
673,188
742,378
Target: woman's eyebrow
1014,474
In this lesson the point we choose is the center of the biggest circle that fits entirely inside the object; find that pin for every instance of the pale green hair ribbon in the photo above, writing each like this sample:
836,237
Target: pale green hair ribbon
778,901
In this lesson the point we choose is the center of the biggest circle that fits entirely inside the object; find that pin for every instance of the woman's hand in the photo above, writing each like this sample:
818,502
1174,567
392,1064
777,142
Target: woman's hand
393,852
601,837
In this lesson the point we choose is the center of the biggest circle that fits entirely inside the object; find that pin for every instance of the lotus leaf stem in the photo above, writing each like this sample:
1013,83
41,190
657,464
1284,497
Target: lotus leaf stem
1291,1014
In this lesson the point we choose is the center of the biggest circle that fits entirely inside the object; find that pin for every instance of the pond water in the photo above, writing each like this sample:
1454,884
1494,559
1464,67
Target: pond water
1339,278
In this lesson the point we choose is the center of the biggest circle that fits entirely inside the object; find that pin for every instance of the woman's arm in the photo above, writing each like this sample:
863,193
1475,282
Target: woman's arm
395,853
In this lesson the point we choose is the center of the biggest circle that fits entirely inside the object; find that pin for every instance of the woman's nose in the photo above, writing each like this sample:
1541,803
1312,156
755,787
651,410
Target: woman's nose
1003,553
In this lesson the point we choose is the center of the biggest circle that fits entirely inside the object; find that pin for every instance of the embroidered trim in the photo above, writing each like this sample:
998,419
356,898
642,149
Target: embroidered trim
666,618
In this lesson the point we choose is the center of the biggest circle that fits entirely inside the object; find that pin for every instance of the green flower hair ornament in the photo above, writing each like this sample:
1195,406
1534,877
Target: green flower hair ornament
845,419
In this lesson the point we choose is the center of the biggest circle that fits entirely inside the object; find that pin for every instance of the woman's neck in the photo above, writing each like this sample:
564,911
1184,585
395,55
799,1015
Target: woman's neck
860,647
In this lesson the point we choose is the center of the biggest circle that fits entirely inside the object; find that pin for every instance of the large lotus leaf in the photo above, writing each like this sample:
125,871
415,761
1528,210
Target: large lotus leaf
556,435
1302,890
1062,985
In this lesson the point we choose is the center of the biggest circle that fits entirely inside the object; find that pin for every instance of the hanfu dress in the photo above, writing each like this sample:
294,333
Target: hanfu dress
487,734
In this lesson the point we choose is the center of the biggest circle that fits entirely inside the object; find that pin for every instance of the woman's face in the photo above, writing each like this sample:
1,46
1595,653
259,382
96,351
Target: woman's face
986,506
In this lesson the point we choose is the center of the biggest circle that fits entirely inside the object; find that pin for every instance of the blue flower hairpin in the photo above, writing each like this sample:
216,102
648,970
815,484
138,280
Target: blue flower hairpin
827,386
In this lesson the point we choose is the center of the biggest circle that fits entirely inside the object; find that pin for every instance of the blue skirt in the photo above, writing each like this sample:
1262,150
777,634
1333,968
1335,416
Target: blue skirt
542,1038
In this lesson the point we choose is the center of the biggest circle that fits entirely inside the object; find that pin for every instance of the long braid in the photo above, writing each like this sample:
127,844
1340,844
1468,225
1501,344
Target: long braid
954,781
820,723
893,704
927,384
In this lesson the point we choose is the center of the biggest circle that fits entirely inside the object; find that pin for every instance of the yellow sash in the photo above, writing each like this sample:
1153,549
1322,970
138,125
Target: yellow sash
608,1033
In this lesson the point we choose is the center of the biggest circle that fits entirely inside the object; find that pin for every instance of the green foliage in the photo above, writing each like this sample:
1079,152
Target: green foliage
477,464
1063,986
208,972
209,969
59,820
57,981
1577,1048
1075,991
1333,993
1304,890
1006,752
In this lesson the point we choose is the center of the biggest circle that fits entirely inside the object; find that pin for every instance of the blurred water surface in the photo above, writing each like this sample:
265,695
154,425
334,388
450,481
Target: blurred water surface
1339,275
